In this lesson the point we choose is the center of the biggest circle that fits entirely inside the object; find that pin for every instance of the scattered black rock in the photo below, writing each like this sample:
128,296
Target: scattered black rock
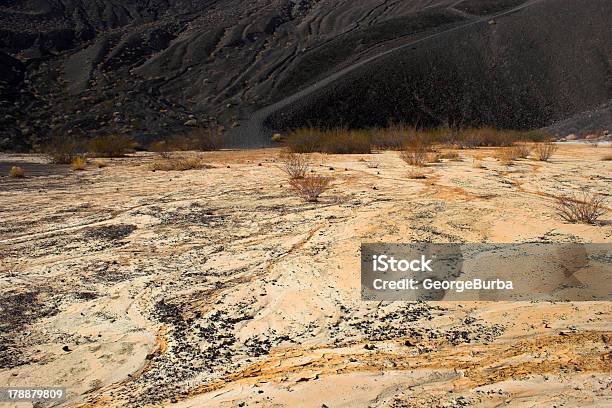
110,232
86,295
18,312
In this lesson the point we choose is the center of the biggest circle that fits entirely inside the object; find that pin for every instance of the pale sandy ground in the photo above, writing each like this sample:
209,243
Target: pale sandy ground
219,288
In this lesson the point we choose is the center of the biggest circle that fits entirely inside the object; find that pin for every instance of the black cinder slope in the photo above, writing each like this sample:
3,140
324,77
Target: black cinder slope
526,69
150,69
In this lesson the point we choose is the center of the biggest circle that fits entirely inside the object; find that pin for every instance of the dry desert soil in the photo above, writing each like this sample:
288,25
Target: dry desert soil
218,287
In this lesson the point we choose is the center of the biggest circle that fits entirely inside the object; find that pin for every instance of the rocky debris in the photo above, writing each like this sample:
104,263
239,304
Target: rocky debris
19,311
197,344
110,232
194,215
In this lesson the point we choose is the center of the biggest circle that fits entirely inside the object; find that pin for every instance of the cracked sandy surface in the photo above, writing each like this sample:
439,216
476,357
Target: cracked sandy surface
218,287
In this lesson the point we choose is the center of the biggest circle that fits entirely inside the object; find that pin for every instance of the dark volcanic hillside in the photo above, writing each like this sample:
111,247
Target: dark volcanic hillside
153,68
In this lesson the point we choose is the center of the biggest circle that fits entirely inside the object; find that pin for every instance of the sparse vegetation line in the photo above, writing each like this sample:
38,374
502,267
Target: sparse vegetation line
401,137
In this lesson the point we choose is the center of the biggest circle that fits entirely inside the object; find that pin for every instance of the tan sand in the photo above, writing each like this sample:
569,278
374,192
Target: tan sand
219,287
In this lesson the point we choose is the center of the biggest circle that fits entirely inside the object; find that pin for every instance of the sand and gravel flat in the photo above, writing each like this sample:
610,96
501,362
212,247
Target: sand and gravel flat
218,287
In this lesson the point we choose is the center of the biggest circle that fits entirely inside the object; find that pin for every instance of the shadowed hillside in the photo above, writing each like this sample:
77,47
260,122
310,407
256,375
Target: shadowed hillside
523,70
150,69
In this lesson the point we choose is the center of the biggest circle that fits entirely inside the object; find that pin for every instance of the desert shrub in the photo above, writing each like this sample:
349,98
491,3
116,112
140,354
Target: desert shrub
433,158
506,155
343,141
415,151
536,135
392,137
277,138
305,140
63,150
584,207
453,156
446,134
544,151
332,141
491,137
100,164
180,164
206,139
16,172
477,162
294,165
473,137
396,136
110,146
521,150
78,163
161,147
416,173
311,186
200,139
